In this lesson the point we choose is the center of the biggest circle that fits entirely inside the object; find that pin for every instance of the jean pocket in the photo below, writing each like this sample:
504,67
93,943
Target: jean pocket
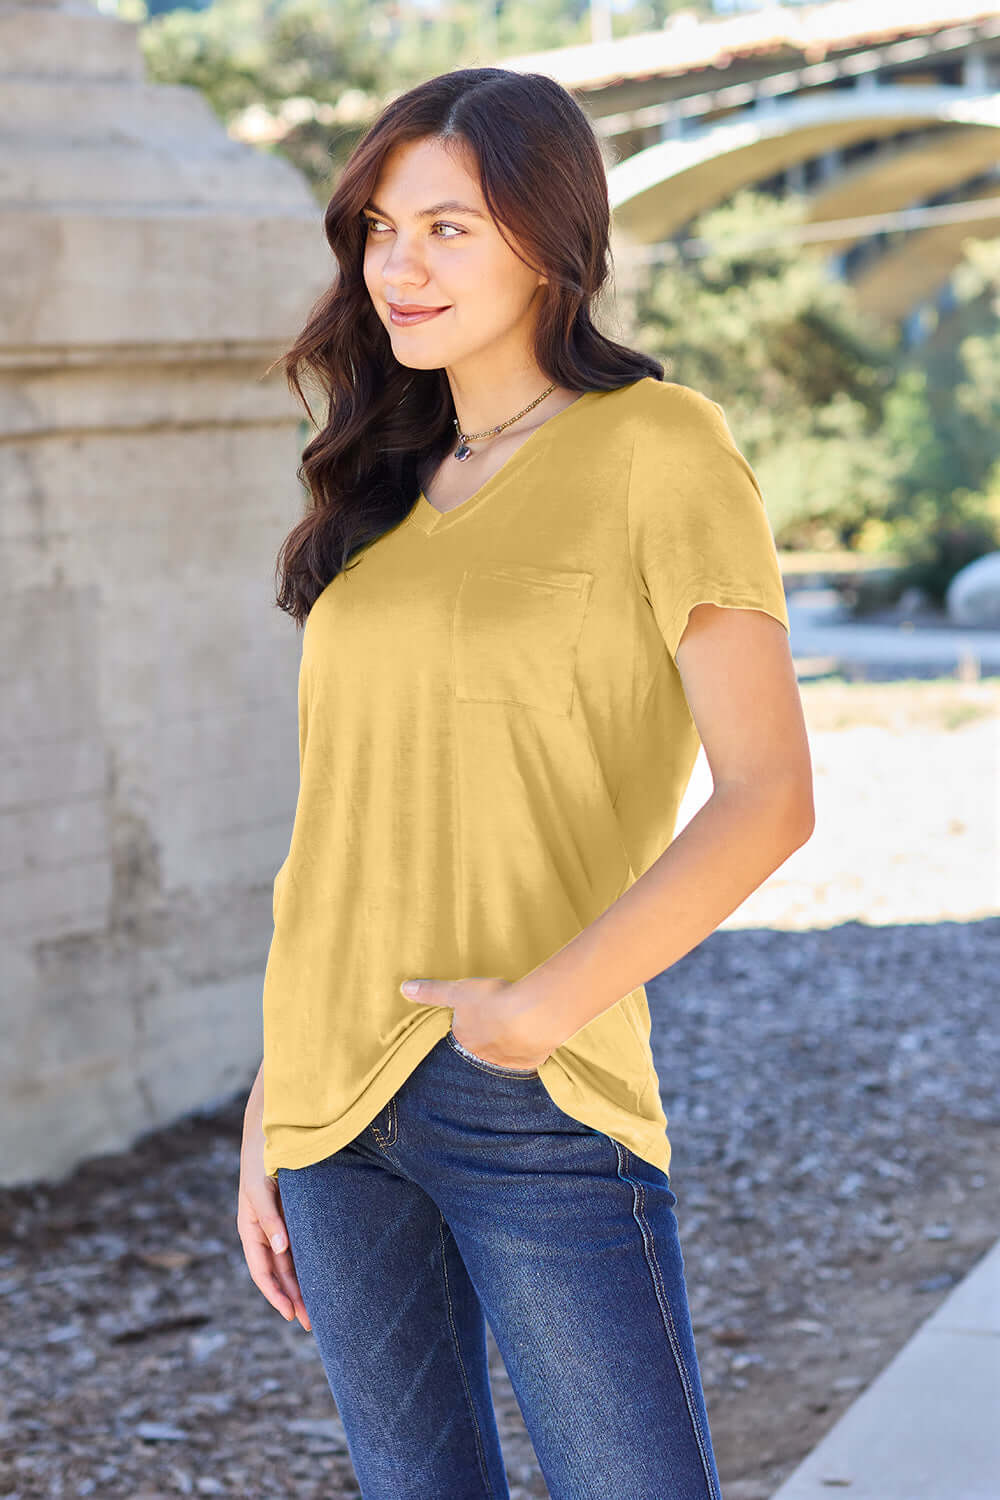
514,635
485,1064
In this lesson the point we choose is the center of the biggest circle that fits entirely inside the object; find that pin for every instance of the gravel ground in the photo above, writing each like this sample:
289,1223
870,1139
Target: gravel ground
828,1062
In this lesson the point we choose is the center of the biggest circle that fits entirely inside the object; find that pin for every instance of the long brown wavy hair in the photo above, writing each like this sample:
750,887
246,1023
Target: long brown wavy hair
542,176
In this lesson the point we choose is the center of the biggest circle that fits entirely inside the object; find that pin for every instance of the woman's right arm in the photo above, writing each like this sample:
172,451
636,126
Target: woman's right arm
260,1220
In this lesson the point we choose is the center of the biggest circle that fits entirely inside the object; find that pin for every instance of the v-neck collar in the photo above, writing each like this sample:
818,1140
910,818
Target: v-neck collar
427,518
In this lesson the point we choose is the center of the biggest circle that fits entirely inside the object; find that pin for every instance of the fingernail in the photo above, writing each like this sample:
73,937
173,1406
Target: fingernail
411,987
278,1242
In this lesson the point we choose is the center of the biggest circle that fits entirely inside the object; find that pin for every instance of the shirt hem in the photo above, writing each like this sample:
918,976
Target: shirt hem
650,1143
324,1140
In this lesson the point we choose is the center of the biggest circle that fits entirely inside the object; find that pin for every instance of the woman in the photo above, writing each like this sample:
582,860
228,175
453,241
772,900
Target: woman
534,574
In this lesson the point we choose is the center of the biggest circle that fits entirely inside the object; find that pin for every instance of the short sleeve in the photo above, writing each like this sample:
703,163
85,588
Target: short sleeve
698,528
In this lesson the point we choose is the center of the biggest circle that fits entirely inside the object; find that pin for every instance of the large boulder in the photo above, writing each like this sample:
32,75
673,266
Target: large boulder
973,596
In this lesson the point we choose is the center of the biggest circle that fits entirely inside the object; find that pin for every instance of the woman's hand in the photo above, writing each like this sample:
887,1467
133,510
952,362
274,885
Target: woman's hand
260,1220
489,1019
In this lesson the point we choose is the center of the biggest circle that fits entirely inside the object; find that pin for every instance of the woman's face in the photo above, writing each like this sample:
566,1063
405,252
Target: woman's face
454,259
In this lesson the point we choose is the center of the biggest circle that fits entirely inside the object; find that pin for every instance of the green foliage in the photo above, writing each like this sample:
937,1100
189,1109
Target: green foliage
305,77
768,334
300,76
943,422
855,443
936,525
977,284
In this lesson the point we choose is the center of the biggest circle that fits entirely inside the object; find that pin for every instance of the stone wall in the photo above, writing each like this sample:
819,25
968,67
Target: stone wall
152,270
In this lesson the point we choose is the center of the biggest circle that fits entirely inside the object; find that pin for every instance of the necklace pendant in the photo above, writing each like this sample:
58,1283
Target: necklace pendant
462,452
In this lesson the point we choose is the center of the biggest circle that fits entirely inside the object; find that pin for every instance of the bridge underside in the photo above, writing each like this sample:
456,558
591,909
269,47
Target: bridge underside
925,143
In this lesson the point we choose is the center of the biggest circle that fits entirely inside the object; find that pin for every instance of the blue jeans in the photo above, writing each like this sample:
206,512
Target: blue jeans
472,1194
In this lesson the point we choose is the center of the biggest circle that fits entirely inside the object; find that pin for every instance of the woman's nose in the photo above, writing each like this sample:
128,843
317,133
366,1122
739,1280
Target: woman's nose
402,256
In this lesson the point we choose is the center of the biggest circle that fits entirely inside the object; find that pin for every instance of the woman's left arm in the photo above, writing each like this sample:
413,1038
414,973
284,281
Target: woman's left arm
739,680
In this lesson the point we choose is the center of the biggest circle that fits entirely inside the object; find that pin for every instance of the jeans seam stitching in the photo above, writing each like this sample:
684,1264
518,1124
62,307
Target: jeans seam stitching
389,1139
665,1311
458,1355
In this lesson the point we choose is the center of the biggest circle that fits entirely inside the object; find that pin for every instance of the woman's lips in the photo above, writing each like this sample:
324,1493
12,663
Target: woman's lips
404,319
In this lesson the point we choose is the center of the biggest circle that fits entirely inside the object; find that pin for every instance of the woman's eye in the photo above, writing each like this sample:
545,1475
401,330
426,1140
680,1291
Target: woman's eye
438,224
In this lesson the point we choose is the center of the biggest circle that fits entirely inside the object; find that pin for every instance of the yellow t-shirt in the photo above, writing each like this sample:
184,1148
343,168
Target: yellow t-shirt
493,745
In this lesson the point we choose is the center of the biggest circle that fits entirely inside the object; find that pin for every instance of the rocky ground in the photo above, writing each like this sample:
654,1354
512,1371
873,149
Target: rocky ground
828,1062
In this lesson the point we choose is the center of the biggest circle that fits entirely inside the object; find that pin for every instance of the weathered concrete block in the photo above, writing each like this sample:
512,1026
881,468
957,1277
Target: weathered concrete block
153,269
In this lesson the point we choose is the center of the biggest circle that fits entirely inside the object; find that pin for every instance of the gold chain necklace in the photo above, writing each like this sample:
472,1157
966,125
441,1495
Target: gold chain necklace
463,451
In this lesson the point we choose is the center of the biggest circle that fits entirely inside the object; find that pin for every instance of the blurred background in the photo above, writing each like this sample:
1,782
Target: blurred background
806,204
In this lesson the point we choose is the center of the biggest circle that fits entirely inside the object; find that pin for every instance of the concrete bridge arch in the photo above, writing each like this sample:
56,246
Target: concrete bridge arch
927,141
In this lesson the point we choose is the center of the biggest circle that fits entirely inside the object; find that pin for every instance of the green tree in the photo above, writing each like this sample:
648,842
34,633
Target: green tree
765,331
943,422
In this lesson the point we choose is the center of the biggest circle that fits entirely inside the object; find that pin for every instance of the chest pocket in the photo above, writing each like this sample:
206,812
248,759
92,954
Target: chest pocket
514,635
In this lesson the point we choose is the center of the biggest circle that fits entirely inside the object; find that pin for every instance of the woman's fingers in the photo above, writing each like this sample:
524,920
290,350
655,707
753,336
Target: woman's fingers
285,1273
262,1227
261,1264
